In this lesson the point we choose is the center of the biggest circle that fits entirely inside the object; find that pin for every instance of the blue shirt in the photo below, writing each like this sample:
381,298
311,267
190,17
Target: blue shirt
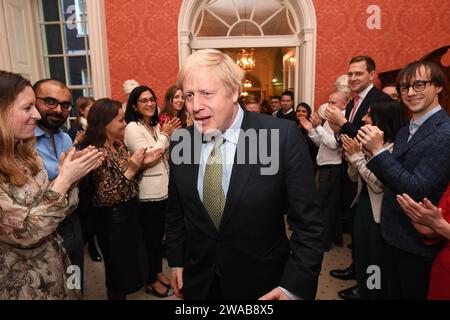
46,151
228,150
414,125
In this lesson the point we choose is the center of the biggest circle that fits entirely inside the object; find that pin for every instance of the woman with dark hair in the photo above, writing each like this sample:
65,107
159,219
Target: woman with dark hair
388,116
303,110
115,194
143,131
174,107
33,263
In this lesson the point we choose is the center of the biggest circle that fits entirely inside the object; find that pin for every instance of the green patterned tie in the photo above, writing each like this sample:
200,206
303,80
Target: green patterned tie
213,195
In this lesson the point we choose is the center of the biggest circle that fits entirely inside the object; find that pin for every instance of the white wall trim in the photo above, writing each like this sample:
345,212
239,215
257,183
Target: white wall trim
226,42
5,59
305,42
98,44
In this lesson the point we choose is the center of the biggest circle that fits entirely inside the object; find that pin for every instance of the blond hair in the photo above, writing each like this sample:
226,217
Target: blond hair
341,85
216,64
14,156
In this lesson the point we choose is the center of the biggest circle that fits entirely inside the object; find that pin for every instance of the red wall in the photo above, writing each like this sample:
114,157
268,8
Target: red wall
409,30
143,39
142,43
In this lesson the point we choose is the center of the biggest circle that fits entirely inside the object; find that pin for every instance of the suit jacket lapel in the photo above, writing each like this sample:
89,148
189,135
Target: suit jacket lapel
400,142
425,130
348,108
239,177
362,110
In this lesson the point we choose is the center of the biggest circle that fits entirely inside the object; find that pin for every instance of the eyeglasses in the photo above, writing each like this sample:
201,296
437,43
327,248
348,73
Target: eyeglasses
147,100
418,86
52,103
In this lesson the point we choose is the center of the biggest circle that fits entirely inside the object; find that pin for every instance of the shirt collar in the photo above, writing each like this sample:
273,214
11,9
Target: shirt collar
232,133
425,117
290,110
364,93
38,132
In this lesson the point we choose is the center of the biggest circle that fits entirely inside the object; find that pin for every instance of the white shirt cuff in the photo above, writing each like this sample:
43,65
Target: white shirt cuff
290,295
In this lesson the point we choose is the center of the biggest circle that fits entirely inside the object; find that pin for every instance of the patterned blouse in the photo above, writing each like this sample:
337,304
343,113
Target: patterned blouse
111,187
33,263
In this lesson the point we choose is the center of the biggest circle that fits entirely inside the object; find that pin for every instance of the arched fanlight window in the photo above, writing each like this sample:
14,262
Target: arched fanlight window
237,18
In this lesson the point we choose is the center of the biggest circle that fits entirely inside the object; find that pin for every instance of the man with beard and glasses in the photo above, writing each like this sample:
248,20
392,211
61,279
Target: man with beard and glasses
54,102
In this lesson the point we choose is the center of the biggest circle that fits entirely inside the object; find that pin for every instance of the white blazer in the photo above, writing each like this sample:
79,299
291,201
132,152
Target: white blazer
155,180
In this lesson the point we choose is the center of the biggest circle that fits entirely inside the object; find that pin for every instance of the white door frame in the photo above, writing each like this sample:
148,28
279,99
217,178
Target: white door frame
98,45
304,42
5,59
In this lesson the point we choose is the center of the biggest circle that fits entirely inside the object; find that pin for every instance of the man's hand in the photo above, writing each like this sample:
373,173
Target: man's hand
371,138
275,294
177,282
334,115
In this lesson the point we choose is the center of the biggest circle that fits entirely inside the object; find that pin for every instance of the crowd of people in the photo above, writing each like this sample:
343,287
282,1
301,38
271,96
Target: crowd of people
193,172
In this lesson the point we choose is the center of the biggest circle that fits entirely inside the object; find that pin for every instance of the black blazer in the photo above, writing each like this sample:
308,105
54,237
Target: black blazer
250,252
420,168
351,129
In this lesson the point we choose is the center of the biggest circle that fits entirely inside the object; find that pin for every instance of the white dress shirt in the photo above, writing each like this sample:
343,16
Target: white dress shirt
330,152
228,150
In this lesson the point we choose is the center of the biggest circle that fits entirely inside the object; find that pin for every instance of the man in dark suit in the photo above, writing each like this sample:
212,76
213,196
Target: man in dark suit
419,166
361,73
287,107
225,231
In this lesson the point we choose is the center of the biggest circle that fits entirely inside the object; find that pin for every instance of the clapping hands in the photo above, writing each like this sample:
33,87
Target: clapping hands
350,146
371,138
142,158
73,166
169,126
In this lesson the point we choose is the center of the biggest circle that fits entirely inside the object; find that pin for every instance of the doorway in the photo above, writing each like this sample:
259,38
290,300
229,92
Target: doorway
286,25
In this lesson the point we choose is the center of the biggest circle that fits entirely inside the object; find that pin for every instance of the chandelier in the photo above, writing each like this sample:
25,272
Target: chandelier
246,59
247,84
